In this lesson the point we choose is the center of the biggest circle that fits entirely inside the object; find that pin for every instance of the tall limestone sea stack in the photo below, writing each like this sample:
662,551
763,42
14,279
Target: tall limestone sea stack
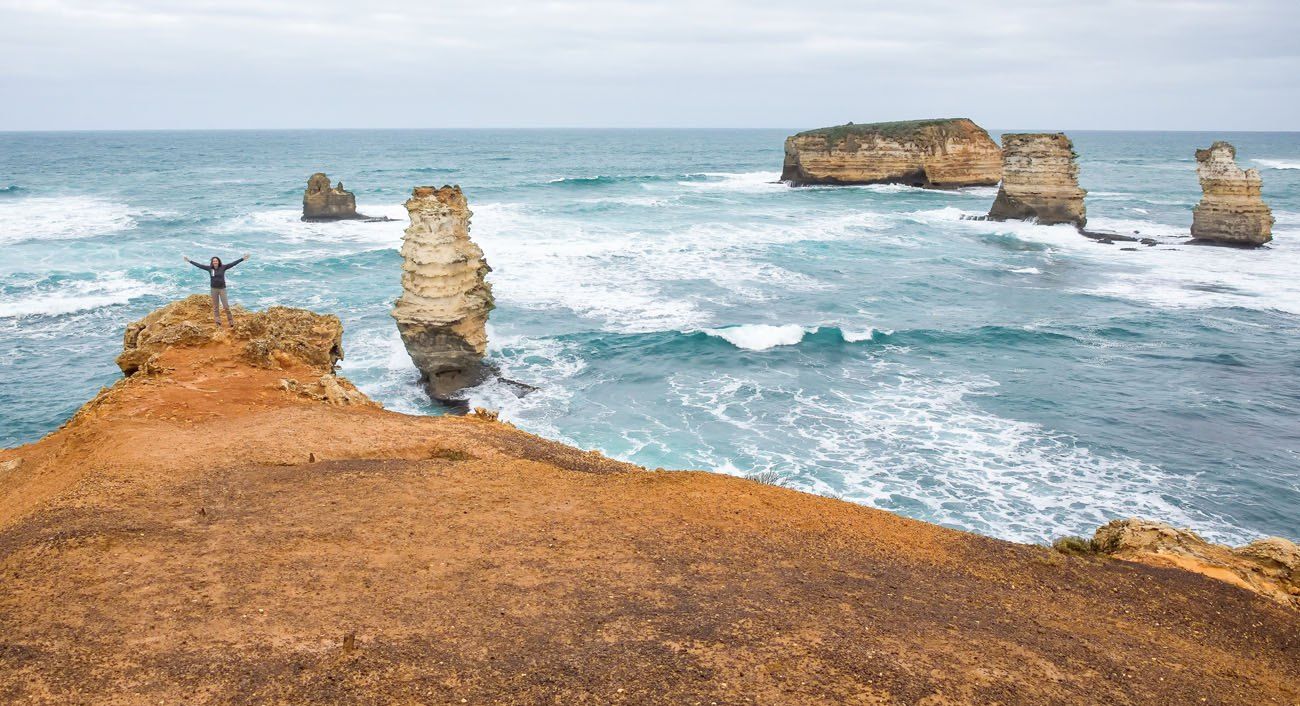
1231,210
322,202
443,311
935,154
1040,181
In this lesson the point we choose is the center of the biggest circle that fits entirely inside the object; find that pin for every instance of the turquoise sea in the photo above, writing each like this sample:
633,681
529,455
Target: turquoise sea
678,308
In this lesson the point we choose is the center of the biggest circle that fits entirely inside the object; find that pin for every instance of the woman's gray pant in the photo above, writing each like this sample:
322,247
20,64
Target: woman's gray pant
219,300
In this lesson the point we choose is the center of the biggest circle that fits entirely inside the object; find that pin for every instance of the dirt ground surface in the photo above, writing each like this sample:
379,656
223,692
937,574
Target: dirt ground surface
202,535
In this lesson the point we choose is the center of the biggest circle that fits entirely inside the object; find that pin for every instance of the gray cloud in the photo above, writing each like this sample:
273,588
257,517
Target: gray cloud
1167,64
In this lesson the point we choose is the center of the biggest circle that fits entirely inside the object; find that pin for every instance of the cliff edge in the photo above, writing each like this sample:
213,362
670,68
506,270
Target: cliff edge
935,154
218,527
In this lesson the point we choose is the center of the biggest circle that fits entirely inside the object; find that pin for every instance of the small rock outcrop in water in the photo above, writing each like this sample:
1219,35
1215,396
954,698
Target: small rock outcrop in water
1268,566
1040,181
1231,210
935,154
322,202
443,311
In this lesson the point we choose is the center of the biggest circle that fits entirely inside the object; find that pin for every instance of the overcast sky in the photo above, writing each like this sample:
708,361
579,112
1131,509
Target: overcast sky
1058,64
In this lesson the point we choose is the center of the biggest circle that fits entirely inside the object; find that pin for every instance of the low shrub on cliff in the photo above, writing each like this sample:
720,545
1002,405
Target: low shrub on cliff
770,477
1075,546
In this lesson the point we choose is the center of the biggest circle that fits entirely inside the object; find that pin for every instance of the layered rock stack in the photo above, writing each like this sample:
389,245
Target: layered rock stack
1231,210
935,154
1040,181
443,311
322,202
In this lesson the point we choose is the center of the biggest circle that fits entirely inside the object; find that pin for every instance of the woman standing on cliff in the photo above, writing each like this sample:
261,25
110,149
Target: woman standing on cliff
217,275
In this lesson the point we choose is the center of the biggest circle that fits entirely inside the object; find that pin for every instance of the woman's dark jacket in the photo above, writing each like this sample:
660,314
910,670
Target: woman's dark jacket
218,273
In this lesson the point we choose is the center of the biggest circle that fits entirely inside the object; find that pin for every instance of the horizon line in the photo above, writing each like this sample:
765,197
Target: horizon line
559,128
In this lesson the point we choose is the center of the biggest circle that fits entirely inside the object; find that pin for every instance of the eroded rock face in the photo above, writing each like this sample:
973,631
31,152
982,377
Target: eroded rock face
1268,566
1231,210
269,339
443,311
1040,181
321,202
946,153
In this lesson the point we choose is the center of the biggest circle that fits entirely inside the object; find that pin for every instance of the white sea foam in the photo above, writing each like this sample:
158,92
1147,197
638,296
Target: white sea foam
748,182
76,295
855,336
1278,163
1127,196
288,225
1139,228
986,192
1026,270
379,359
759,337
1285,219
1173,275
62,218
628,280
887,188
552,366
648,201
905,440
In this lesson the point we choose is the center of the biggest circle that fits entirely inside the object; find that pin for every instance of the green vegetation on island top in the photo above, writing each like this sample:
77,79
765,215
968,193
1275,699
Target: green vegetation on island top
889,129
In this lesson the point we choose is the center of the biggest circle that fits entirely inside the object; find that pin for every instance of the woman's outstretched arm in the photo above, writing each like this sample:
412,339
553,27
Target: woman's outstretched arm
229,265
198,265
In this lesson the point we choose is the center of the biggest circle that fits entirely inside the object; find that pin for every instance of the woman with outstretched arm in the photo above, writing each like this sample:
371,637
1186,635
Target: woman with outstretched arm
217,275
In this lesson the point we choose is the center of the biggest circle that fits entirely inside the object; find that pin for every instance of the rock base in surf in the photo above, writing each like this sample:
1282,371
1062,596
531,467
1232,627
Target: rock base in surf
1040,181
936,154
1231,211
443,310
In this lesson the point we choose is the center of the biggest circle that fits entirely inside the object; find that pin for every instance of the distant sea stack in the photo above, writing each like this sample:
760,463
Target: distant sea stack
935,154
1231,210
1040,181
322,202
443,311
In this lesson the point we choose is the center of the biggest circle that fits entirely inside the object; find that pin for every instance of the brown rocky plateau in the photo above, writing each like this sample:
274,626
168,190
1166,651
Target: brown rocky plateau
221,528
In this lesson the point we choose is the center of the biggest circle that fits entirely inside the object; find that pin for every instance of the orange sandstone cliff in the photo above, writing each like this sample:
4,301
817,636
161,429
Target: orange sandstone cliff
938,154
233,523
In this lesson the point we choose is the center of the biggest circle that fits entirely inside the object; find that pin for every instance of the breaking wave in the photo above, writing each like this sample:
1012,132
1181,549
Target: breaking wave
1278,163
38,218
58,296
759,337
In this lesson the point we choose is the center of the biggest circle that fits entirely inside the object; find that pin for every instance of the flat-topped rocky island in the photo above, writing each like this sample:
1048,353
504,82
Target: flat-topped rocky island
934,154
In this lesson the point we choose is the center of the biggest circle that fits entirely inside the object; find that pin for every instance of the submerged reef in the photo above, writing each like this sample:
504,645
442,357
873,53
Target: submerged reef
936,154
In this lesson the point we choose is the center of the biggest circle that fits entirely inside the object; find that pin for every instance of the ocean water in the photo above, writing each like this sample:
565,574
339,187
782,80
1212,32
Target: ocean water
678,308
